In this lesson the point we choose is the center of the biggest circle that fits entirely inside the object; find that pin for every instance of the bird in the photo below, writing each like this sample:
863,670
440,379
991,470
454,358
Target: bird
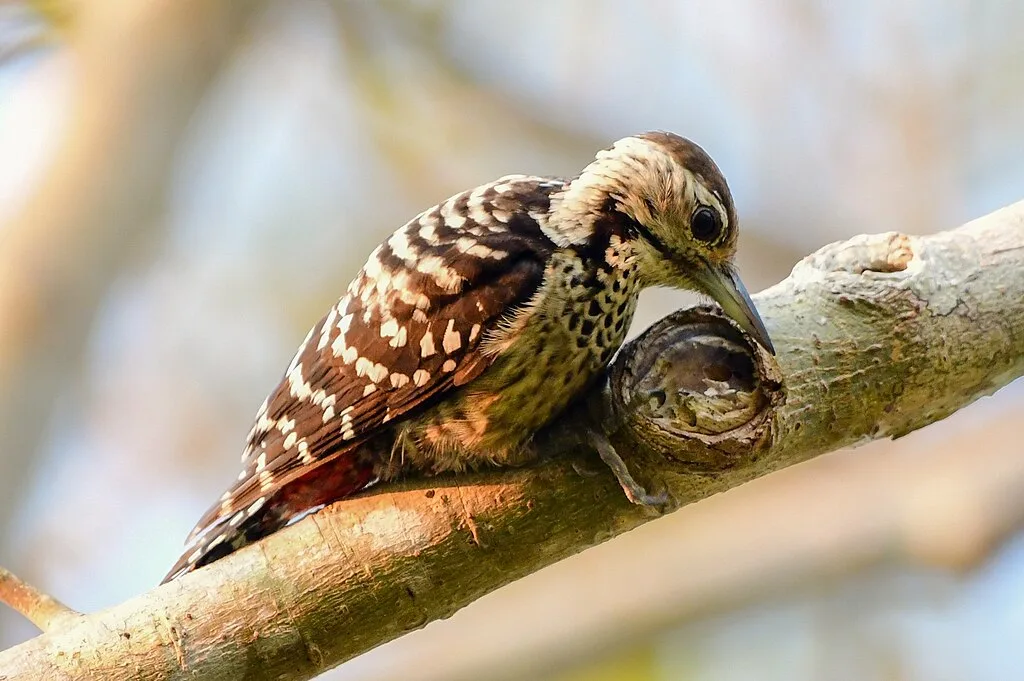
474,326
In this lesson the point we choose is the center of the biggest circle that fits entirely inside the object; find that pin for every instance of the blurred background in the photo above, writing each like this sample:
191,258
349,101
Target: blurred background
186,185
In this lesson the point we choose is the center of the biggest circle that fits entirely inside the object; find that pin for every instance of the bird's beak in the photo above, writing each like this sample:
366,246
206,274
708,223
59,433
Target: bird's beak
724,285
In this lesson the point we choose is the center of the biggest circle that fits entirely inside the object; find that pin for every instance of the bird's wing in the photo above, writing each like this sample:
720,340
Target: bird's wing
408,331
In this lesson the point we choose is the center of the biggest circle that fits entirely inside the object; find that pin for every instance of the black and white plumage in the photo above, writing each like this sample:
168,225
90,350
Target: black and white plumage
476,324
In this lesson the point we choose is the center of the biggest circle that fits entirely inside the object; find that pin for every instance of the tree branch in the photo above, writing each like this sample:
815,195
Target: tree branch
877,337
42,610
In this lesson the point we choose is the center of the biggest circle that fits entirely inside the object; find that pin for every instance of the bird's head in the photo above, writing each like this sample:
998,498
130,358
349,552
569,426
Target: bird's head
681,222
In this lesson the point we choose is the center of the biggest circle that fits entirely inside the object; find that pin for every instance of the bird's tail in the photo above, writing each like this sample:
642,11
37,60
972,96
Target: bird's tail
222,538
221,533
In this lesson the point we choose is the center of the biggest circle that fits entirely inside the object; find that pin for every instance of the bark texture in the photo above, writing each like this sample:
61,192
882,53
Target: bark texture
877,336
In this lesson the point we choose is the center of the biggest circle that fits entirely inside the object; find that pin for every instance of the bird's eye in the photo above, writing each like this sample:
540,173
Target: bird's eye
705,225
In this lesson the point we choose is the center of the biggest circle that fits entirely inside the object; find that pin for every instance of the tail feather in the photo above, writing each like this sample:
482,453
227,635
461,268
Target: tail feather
229,530
223,538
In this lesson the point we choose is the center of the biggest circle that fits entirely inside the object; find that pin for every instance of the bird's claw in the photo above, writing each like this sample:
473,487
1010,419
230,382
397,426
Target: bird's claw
635,492
642,497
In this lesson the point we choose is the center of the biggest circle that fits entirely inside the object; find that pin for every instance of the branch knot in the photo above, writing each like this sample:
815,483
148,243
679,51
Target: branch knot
697,389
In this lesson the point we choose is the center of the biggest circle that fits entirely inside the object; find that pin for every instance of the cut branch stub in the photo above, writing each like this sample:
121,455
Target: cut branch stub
696,389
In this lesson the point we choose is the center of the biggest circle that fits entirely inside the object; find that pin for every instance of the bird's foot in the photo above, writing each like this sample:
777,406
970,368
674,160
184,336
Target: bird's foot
635,492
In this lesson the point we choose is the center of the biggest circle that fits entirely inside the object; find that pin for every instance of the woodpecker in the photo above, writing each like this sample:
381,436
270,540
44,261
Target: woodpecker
474,326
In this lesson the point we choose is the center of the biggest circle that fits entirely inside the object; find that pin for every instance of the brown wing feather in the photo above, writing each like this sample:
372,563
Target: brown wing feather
408,331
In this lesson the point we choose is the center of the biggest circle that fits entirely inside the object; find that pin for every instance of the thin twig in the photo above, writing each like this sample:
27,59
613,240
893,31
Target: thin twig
44,611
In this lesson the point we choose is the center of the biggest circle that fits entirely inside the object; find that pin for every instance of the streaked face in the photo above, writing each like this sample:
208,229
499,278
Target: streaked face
683,222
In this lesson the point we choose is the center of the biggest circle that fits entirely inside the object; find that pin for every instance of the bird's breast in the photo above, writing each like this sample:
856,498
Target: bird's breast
551,351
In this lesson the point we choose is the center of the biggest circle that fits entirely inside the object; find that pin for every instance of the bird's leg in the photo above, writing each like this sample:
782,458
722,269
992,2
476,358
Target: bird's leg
634,491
